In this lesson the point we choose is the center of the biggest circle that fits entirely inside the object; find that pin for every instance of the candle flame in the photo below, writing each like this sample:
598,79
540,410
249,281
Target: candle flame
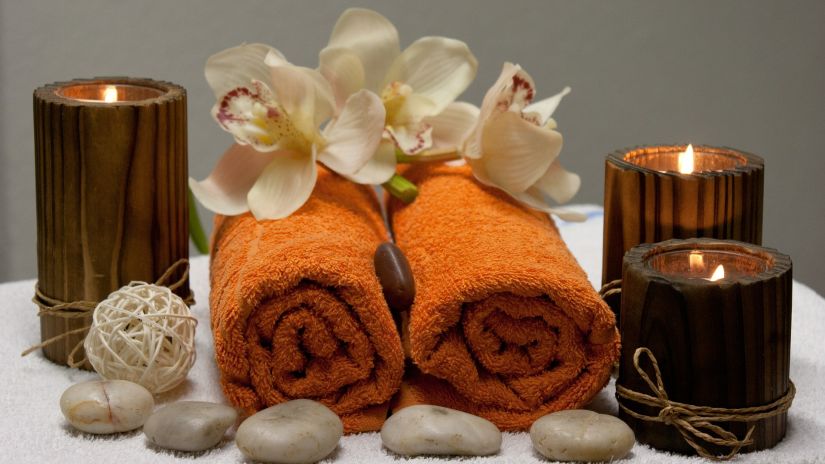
110,94
686,160
719,273
697,261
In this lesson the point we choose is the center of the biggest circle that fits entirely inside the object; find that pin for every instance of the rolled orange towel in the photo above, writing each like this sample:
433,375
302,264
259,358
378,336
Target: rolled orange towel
505,324
297,310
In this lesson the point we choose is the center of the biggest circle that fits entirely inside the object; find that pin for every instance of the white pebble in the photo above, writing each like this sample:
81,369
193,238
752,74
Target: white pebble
189,425
295,432
106,406
581,435
426,429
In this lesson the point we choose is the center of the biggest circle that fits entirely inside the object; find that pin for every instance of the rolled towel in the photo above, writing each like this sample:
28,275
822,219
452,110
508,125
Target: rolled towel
505,324
297,310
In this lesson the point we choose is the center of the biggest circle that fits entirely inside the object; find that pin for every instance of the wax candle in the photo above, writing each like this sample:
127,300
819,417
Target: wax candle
716,315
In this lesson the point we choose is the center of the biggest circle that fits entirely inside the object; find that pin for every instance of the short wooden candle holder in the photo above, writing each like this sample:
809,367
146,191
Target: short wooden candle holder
647,199
111,170
723,343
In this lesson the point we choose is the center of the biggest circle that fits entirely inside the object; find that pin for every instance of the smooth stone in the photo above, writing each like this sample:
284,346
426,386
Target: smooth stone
189,425
427,429
396,277
581,435
295,432
106,406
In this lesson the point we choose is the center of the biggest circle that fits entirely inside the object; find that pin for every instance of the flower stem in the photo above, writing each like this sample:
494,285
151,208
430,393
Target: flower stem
195,227
427,156
401,188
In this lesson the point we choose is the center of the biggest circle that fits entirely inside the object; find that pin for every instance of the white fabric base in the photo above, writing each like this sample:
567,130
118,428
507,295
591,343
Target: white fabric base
32,429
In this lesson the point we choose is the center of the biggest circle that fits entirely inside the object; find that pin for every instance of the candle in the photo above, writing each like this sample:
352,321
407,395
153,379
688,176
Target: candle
716,315
111,174
656,193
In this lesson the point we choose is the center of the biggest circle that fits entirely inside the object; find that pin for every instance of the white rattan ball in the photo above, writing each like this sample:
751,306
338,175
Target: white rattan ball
143,333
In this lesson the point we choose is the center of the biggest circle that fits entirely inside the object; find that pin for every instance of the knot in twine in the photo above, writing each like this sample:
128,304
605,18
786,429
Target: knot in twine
83,308
697,422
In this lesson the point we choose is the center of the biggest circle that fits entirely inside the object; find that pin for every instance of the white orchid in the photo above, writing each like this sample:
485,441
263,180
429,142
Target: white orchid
275,111
514,145
417,86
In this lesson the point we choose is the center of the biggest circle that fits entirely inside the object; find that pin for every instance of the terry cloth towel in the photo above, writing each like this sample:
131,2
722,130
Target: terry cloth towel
297,310
505,324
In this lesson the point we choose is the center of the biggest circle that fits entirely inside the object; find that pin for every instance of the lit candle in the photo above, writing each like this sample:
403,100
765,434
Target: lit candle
721,338
111,174
685,162
655,193
110,94
696,261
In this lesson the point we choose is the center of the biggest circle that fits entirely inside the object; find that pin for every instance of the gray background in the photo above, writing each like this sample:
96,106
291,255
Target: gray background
746,74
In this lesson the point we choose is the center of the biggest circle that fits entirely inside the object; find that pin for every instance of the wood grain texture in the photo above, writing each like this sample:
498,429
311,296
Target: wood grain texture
111,194
724,344
645,204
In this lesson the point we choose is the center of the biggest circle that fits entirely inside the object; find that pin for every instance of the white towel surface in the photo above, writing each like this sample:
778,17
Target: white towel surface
32,429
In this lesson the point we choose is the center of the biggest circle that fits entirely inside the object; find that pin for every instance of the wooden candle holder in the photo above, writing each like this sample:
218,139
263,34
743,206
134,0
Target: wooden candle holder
111,193
646,200
722,344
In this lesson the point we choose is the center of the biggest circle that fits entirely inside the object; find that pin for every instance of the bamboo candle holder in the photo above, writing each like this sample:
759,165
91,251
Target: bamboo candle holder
723,343
111,173
647,199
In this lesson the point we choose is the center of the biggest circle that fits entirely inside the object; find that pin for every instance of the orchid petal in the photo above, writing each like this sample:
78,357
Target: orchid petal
438,68
546,107
284,185
224,190
558,183
534,199
305,95
380,168
406,109
351,139
372,37
452,126
251,115
343,70
238,67
472,148
275,58
411,139
516,152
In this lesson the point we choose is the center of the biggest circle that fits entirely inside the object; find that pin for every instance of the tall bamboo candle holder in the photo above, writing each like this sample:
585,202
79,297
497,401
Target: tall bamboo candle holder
716,316
650,197
111,174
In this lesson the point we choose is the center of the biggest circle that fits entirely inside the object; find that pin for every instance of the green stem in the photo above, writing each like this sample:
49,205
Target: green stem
401,188
195,227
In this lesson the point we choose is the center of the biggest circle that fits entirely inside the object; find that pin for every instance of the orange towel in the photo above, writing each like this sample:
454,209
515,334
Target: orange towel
505,324
297,311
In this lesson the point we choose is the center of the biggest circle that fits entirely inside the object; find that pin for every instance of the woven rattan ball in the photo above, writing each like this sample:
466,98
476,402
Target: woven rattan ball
143,333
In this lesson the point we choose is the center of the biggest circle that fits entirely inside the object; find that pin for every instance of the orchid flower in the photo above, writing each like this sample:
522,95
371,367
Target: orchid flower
417,86
514,145
275,110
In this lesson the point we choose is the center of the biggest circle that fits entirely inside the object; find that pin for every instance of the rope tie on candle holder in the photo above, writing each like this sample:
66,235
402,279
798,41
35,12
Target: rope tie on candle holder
614,287
697,422
82,308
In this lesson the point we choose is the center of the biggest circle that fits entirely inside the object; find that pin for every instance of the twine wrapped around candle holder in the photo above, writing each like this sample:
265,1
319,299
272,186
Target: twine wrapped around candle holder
697,422
83,309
